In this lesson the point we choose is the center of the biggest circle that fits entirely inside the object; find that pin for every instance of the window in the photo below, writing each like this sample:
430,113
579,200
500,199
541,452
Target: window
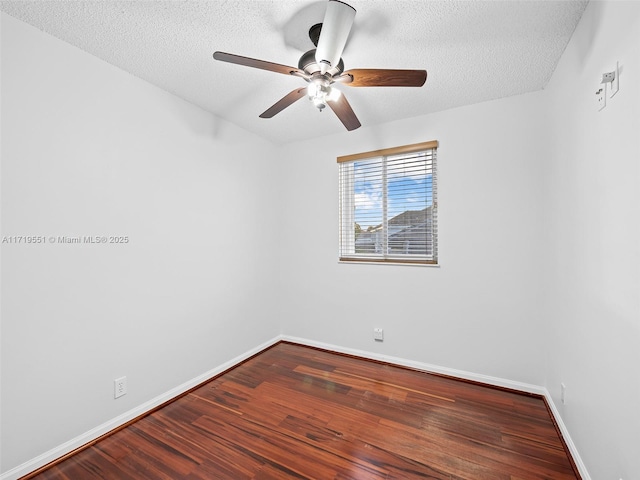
388,205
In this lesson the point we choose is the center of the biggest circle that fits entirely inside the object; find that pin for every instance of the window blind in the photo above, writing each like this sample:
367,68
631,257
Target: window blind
388,205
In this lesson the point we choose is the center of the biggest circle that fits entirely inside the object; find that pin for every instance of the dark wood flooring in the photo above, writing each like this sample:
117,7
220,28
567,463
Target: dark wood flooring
297,412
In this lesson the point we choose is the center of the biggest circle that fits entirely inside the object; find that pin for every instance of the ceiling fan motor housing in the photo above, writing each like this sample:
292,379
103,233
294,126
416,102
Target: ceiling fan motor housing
308,64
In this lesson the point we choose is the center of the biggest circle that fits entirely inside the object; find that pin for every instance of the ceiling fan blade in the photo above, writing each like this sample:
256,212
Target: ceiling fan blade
284,102
336,26
255,63
343,110
380,77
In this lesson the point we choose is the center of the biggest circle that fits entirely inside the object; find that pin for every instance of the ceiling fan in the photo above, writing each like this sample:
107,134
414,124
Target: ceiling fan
322,67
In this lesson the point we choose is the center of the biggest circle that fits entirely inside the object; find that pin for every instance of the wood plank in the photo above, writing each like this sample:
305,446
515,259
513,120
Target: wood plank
298,412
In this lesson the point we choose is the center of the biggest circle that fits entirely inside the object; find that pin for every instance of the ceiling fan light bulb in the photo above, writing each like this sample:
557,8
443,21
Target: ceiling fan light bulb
319,102
334,94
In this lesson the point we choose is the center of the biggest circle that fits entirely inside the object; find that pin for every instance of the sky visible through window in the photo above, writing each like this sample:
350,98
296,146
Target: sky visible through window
409,187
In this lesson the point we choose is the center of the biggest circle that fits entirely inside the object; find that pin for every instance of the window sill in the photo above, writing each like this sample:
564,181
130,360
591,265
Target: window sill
397,262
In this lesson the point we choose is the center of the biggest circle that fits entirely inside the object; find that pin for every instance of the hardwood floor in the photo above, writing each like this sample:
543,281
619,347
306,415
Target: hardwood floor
297,412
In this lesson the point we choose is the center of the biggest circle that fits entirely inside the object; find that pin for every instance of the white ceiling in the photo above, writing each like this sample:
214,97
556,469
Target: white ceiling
473,51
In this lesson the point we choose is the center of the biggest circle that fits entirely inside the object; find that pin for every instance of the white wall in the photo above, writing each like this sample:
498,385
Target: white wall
593,217
477,312
88,149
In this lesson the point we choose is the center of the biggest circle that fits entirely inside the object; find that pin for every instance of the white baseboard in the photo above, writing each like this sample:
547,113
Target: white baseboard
427,367
567,438
59,451
94,433
477,377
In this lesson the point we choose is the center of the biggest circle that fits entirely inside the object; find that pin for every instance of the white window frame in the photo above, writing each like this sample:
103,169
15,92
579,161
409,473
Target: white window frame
347,234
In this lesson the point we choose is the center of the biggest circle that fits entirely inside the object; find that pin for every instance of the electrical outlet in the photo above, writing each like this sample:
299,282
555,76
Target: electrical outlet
378,334
601,97
563,393
120,387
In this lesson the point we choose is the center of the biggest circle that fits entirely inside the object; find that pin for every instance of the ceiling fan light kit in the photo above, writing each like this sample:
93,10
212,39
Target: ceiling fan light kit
320,92
323,66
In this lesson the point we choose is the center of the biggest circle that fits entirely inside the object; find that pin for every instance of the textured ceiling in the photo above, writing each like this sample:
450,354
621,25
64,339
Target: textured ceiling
473,51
